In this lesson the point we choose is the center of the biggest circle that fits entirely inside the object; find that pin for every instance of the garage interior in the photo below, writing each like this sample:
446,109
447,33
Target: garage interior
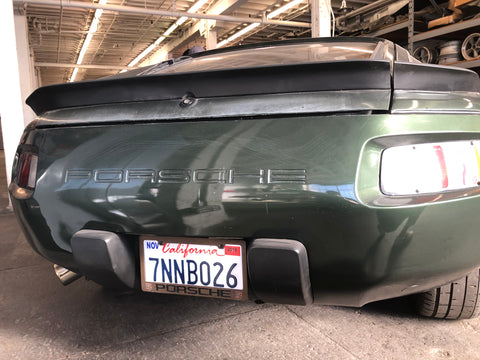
58,41
86,40
48,42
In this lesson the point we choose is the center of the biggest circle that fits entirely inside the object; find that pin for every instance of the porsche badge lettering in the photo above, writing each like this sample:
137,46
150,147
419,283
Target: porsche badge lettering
184,176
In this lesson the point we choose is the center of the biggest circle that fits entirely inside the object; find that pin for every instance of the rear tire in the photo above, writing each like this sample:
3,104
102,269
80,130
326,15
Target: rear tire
457,300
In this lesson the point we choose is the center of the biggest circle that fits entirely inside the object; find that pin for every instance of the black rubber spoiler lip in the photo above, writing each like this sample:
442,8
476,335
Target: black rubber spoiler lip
326,76
426,77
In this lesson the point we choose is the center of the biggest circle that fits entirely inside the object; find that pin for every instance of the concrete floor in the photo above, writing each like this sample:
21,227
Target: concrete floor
42,319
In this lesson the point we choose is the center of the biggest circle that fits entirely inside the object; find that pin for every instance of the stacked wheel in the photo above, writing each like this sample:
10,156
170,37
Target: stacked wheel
426,55
449,52
471,47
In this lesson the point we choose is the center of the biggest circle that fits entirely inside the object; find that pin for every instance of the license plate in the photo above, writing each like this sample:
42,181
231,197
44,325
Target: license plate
195,267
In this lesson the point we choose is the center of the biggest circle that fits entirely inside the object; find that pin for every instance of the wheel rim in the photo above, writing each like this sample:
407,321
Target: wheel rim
471,46
423,54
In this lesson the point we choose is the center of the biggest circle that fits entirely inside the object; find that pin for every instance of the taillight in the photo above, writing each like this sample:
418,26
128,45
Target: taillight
26,171
430,168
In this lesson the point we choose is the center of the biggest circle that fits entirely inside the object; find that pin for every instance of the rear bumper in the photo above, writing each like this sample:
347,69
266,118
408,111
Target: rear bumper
277,268
356,256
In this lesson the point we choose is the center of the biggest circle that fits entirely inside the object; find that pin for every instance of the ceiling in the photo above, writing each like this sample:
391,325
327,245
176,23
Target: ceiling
57,33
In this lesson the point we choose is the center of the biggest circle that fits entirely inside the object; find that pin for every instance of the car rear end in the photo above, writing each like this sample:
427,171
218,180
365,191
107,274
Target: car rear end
287,183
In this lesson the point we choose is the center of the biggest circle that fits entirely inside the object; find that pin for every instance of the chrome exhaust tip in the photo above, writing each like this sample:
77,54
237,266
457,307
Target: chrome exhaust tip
64,275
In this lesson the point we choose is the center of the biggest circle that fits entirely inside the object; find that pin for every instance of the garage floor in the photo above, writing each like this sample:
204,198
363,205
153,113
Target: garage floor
41,319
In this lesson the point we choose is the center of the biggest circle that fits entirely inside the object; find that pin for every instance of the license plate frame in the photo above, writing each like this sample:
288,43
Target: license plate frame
182,249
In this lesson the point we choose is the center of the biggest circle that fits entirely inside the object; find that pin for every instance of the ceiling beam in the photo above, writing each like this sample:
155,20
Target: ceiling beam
174,14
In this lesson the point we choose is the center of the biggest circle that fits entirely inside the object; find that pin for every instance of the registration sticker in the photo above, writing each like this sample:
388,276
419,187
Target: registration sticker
195,267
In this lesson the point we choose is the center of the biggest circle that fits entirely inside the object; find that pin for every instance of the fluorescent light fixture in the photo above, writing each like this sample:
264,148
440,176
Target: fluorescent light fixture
197,6
74,74
238,34
167,32
159,40
284,8
143,54
252,26
88,38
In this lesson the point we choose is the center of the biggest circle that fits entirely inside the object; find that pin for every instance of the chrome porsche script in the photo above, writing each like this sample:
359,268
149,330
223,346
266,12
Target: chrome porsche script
184,176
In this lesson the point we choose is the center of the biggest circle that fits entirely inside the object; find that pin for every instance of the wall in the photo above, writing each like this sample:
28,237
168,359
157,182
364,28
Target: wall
17,80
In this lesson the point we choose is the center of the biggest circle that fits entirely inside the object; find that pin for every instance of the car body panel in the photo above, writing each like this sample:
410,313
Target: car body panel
215,182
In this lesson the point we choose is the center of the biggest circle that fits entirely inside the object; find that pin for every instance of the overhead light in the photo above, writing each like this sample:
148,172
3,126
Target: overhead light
167,32
197,6
74,74
238,34
252,26
143,54
88,38
159,40
284,8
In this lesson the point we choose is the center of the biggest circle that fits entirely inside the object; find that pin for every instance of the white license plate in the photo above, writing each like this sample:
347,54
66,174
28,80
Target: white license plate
195,267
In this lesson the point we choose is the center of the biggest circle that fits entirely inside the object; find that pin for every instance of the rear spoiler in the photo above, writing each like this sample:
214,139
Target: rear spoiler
278,79
422,88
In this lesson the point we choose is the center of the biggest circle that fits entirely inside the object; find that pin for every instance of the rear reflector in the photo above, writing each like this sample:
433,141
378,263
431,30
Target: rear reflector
430,168
27,170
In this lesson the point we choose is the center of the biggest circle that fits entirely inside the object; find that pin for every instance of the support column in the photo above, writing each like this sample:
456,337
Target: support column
210,35
321,18
28,81
411,24
11,107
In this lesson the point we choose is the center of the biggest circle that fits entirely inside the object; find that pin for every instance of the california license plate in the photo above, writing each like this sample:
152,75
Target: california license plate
195,267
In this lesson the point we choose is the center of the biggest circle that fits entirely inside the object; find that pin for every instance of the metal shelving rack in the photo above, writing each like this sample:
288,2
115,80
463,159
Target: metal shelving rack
447,32
468,64
447,29
389,29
